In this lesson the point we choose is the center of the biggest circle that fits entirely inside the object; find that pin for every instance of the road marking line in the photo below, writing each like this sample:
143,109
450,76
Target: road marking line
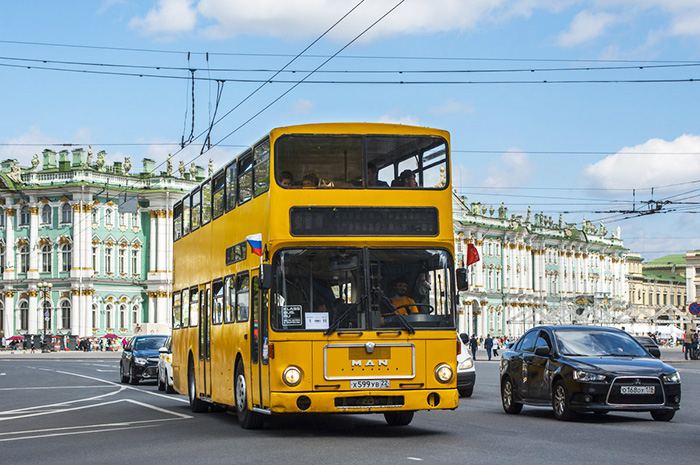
75,433
66,428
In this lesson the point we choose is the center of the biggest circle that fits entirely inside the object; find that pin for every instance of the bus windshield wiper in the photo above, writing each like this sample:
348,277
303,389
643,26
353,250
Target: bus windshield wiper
342,316
386,303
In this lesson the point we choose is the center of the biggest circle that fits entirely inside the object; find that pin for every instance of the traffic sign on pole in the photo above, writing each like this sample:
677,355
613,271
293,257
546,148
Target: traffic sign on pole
694,308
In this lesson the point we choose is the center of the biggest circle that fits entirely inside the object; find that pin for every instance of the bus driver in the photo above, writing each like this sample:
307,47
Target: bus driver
400,298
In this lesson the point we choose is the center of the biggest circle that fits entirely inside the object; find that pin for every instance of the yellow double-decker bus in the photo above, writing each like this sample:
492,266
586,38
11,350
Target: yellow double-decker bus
315,273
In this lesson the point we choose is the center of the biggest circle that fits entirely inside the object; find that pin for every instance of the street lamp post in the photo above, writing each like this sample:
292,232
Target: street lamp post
45,288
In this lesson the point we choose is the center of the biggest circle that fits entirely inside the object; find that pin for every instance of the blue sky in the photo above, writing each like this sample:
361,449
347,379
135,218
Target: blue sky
616,115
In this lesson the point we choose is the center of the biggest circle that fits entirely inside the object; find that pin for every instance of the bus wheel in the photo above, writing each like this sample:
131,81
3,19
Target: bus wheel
197,405
398,418
247,418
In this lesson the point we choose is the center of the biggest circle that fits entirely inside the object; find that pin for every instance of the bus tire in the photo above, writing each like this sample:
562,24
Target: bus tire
197,405
399,418
247,418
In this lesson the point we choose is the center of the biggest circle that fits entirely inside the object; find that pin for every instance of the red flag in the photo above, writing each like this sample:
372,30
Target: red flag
472,254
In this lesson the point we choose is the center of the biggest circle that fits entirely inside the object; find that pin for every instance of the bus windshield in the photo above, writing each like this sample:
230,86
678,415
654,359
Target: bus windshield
355,161
332,289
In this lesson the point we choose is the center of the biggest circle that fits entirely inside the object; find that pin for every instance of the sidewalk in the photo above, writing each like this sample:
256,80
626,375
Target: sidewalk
71,354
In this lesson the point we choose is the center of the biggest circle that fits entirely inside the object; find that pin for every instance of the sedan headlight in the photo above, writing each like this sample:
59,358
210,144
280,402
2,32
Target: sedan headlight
139,361
292,376
672,378
443,373
587,377
466,364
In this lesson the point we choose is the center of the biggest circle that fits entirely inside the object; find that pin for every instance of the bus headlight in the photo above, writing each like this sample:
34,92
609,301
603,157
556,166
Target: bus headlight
443,373
292,376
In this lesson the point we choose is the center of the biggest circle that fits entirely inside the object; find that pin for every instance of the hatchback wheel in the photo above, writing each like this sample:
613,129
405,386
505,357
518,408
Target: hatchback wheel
508,397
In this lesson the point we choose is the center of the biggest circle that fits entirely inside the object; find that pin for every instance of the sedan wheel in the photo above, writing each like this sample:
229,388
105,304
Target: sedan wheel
132,377
560,403
509,405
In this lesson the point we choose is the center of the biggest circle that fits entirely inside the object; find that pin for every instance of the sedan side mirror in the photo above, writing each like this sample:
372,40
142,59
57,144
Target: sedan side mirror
163,350
655,352
542,351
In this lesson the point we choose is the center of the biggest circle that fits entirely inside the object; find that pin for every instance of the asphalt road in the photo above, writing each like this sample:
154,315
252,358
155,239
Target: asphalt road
74,411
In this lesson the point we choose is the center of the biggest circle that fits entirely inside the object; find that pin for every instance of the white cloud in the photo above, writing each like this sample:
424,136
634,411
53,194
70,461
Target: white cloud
585,27
655,163
21,149
168,17
393,119
513,170
452,107
302,107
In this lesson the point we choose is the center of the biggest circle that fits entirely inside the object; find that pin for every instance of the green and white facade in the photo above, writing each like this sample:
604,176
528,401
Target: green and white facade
537,271
61,223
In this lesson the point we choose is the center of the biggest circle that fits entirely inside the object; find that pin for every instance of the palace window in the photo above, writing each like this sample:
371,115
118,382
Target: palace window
23,258
66,213
65,314
46,258
96,216
109,219
121,261
2,257
108,260
46,211
66,257
24,315
135,262
24,216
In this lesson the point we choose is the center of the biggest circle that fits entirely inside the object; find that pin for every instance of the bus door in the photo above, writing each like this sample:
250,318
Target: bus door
205,339
259,346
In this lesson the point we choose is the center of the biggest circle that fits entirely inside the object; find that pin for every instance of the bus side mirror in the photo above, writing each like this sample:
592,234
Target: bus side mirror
265,276
462,284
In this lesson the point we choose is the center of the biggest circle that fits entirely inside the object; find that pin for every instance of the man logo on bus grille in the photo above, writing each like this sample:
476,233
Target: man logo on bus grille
370,363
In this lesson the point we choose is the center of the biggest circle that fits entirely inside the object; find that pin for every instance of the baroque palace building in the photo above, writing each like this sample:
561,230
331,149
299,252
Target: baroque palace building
99,234
537,270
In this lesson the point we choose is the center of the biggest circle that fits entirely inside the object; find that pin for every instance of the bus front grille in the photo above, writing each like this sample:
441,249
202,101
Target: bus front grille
364,402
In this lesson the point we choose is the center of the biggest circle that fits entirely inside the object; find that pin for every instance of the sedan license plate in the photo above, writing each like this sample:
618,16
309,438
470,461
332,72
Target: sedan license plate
370,384
637,390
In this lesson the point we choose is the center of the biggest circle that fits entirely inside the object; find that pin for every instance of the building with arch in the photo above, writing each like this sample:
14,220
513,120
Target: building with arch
101,235
536,270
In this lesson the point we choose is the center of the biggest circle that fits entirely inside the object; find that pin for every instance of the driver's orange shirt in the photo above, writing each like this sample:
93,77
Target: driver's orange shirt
405,300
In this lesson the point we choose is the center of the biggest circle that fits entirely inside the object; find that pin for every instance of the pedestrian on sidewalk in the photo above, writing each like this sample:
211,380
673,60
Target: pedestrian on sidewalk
473,345
687,342
488,345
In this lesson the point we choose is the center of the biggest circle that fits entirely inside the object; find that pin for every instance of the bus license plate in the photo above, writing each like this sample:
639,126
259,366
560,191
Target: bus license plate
370,384
637,390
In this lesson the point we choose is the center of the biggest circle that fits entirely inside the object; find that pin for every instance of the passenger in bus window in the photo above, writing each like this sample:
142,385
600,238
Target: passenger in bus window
286,179
408,179
400,298
372,180
310,180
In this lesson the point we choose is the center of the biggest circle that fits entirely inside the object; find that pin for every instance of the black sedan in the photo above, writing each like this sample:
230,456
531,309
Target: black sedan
587,368
140,359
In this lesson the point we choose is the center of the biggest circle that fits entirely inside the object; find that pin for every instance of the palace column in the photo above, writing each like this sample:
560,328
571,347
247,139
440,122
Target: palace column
33,326
33,271
152,243
9,314
10,246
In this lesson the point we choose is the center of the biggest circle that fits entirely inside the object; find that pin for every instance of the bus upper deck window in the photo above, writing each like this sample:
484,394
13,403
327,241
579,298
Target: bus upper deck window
261,170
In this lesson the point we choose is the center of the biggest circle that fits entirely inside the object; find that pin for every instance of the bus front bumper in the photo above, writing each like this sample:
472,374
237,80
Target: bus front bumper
364,402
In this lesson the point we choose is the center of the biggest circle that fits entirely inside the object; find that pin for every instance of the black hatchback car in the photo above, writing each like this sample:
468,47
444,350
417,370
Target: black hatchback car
587,368
140,359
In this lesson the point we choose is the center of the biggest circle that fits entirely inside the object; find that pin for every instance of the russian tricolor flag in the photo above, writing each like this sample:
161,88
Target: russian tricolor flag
255,242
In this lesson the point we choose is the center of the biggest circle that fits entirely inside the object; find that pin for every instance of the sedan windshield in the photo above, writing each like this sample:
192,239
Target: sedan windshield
594,343
149,343
331,289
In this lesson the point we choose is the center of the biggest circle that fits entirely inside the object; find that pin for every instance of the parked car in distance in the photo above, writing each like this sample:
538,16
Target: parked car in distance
576,369
650,345
466,372
165,366
140,358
